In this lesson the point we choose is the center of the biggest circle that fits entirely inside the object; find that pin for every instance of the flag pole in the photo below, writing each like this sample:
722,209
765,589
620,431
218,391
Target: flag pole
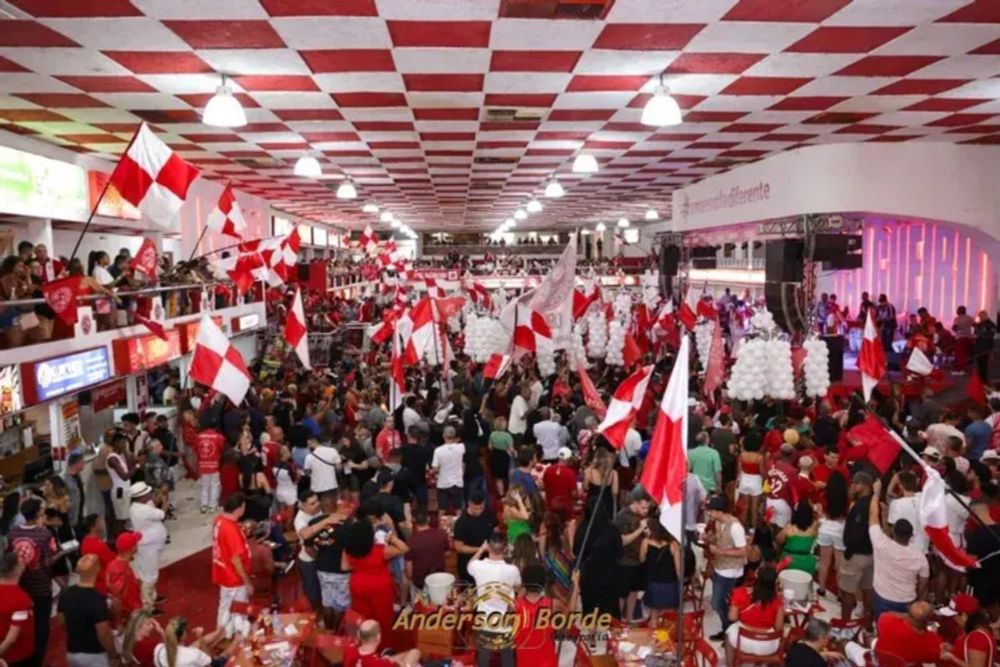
681,574
107,184
198,243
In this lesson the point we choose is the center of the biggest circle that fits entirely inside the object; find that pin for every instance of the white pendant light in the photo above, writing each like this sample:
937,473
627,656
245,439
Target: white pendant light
370,207
585,163
651,214
346,190
308,167
385,217
395,224
600,227
224,110
519,214
661,109
623,223
534,206
554,189
510,222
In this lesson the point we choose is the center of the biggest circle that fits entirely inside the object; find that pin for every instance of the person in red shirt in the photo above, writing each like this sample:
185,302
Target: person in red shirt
229,474
780,493
534,644
760,608
907,636
803,487
559,481
94,542
231,563
366,653
17,613
124,588
974,643
209,447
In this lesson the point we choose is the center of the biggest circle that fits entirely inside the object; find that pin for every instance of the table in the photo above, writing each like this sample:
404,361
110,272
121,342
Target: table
634,639
265,647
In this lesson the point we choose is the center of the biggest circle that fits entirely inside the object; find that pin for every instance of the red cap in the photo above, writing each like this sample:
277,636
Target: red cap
964,603
127,541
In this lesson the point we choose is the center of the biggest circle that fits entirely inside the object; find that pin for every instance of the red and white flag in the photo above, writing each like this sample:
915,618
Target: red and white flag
553,298
590,395
871,361
624,405
369,240
227,218
154,327
532,333
715,368
397,374
217,364
687,313
296,334
61,296
480,295
582,302
496,366
666,465
152,177
919,363
934,517
145,259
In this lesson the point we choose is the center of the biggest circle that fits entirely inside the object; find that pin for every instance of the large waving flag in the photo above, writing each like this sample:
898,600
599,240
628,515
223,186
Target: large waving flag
590,395
216,363
666,465
397,375
553,298
934,517
296,333
227,218
715,369
624,405
871,361
152,177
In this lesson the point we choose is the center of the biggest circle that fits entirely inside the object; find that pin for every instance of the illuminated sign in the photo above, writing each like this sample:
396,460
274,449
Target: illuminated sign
37,186
143,352
45,380
112,205
10,390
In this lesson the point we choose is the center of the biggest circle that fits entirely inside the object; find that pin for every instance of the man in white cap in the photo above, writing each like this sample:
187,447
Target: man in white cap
559,481
146,518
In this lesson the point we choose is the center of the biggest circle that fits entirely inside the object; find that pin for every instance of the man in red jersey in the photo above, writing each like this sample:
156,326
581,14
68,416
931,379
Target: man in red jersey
780,493
559,482
124,588
17,615
231,564
209,447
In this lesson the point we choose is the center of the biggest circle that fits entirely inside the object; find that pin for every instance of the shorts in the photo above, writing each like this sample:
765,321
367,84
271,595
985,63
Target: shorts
632,579
335,590
856,573
831,534
781,509
750,485
751,646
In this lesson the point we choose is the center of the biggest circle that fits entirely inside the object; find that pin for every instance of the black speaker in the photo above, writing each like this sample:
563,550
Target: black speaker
835,346
830,247
844,263
705,262
670,258
784,300
783,261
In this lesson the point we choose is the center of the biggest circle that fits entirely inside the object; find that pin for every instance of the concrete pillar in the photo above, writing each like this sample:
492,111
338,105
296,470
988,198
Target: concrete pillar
36,231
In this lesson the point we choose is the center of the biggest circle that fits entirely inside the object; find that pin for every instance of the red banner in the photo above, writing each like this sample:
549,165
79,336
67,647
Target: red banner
146,259
108,395
112,205
133,355
61,297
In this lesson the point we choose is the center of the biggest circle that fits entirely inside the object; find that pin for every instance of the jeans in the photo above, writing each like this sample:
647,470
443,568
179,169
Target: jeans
880,605
43,620
226,620
209,484
722,589
310,580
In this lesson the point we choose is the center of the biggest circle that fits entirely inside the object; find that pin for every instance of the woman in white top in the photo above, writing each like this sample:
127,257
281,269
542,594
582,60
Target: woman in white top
286,478
98,262
950,577
121,473
173,653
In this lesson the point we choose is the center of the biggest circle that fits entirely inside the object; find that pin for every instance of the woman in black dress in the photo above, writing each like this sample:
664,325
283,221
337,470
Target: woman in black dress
598,558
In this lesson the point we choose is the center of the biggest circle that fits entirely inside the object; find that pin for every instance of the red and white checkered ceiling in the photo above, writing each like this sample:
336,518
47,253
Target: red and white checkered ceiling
402,95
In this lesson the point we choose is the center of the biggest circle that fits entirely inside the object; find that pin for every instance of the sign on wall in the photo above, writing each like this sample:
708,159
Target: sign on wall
133,355
48,379
38,186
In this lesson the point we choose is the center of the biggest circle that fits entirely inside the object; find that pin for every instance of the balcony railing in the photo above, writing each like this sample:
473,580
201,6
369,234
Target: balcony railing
469,249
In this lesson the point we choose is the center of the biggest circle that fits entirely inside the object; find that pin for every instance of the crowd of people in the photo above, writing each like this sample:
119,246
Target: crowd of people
508,484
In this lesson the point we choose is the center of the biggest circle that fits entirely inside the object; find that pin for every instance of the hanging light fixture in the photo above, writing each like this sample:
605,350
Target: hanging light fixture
224,110
554,189
510,222
600,227
661,109
370,207
395,224
651,214
534,206
623,223
519,214
585,163
385,217
307,166
346,190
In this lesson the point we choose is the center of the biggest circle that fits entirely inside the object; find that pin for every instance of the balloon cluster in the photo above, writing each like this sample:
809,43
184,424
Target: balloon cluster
763,364
816,367
703,340
748,381
651,296
623,307
762,320
780,375
577,352
597,343
546,362
616,344
484,336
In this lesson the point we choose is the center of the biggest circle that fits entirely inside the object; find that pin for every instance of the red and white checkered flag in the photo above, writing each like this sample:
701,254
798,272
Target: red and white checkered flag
217,364
152,177
369,240
295,330
227,218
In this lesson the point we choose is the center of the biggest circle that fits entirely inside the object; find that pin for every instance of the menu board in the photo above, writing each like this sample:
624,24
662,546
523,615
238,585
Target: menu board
48,379
38,186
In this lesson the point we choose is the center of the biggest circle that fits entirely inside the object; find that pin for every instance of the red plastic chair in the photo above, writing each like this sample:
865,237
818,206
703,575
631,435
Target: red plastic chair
326,648
739,657
704,655
853,625
351,623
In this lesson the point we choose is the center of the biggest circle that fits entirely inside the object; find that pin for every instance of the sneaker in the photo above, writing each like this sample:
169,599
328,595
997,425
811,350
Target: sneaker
821,592
718,636
204,509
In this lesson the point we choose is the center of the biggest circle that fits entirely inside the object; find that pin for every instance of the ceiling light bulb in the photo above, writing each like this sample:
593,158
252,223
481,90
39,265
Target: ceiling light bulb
585,163
308,166
651,214
519,214
370,208
224,110
600,227
509,222
623,223
385,217
554,189
395,224
661,110
346,190
534,206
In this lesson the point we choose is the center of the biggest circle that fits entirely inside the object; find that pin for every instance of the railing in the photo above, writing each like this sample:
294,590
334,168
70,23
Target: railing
740,263
482,249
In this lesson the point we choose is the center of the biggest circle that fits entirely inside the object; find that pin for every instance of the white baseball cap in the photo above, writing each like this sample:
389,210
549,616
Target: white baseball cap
565,453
